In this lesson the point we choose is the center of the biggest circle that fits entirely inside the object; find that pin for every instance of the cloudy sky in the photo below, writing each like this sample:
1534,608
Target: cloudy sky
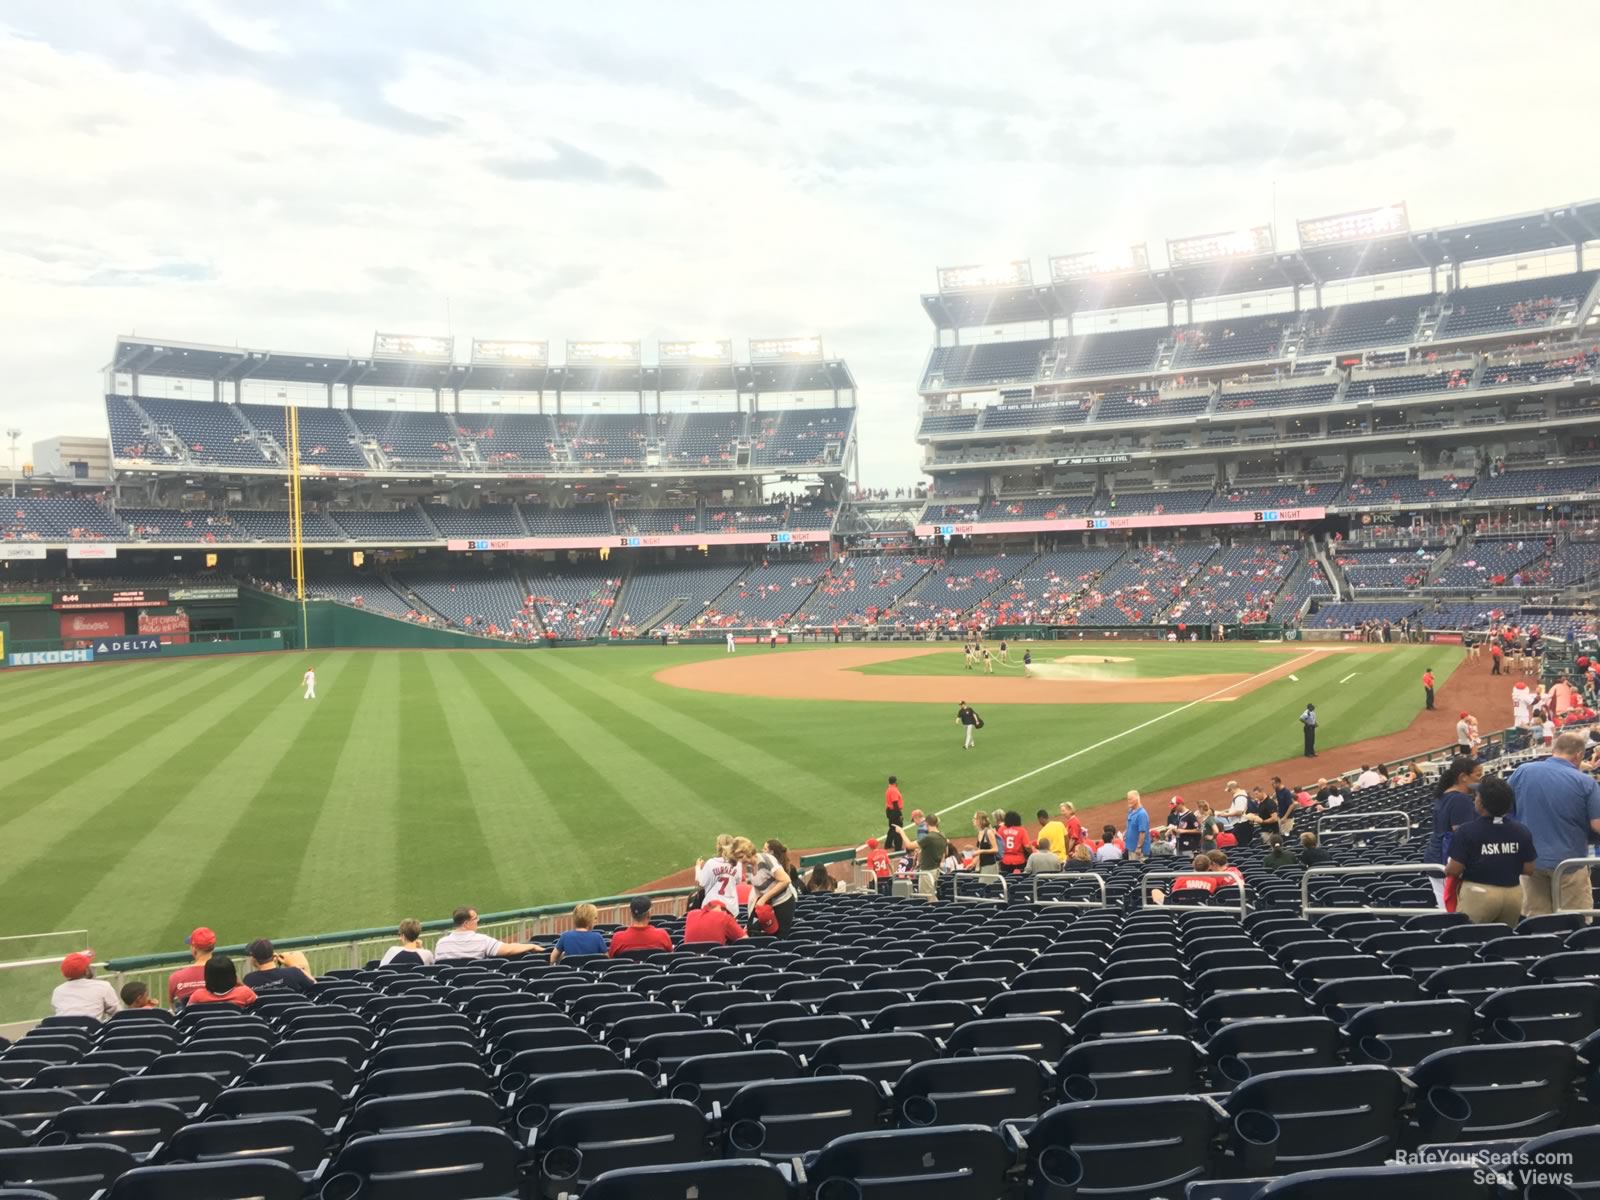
297,175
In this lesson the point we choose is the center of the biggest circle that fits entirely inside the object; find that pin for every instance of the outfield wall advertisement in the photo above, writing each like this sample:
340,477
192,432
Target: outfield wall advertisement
1139,521
126,647
171,628
645,540
79,629
50,658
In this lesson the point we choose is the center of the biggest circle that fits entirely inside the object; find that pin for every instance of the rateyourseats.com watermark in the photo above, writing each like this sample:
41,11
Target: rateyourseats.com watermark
1512,1168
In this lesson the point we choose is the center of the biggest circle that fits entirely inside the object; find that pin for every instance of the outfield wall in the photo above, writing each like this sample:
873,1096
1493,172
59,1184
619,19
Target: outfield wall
329,625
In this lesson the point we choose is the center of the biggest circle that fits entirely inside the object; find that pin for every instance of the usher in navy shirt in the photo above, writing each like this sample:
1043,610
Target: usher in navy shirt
1492,850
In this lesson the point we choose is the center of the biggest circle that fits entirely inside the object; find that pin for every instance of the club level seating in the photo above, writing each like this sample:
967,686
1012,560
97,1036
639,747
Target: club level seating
1349,615
506,441
400,525
1404,489
766,594
130,438
1550,481
1523,304
272,525
811,516
1276,496
1409,383
1300,396
657,520
799,437
755,518
988,362
581,520
1371,323
410,437
58,519
485,521
1116,352
948,422
1488,562
327,437
1176,500
180,525
854,590
1037,414
647,592
1558,369
1240,339
1147,404
951,513
1035,508
211,433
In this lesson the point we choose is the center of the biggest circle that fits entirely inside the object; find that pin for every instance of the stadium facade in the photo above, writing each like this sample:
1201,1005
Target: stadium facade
1379,423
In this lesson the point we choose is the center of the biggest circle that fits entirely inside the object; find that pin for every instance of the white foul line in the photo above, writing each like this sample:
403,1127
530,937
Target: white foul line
1349,677
1131,729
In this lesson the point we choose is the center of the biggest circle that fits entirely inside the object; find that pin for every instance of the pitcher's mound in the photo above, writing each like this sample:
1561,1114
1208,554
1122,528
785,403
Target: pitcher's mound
1090,658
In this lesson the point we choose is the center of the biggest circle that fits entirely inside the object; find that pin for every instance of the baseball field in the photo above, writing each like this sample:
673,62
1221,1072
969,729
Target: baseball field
147,798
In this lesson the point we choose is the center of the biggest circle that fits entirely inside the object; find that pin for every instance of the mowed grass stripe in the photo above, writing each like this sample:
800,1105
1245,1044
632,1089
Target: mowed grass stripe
685,759
358,823
268,834
137,840
52,789
561,825
106,820
703,722
433,798
114,694
499,788
25,690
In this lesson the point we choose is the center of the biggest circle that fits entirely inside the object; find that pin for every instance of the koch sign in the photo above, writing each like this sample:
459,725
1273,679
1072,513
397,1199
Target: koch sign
48,658
128,647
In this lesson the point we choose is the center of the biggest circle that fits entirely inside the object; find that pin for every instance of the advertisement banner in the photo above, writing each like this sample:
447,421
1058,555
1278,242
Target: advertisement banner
14,551
1446,639
24,599
615,541
80,629
208,592
92,551
49,658
171,628
128,647
1142,521
132,598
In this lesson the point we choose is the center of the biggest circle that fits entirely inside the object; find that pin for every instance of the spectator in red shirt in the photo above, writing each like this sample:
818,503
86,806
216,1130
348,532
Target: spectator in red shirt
1069,818
186,981
1204,879
222,985
639,934
1014,845
711,923
878,859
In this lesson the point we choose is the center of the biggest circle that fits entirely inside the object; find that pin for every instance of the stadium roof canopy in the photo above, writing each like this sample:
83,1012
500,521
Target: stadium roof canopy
228,364
1348,258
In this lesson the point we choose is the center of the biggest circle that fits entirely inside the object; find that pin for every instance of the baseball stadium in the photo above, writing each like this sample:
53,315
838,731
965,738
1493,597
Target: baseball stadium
549,768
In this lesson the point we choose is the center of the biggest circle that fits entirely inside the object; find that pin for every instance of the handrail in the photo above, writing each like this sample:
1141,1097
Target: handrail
1306,910
955,888
147,961
1074,876
1404,827
1565,866
1144,892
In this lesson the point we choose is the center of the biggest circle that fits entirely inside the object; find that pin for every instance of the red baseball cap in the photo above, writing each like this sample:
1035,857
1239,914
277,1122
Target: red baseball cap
872,843
76,966
1465,715
202,939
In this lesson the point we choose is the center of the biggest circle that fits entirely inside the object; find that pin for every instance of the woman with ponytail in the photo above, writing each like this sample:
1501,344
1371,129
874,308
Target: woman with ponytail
1452,807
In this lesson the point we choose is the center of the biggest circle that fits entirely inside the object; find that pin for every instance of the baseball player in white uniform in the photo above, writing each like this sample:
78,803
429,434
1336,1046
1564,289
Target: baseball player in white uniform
310,681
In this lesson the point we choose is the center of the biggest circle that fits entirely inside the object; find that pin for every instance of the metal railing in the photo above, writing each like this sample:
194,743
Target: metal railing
1307,910
1404,826
1073,878
1565,867
1144,891
957,897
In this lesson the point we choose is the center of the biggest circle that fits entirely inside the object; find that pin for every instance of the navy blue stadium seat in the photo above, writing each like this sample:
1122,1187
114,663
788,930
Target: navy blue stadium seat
1514,1090
786,1119
1338,1116
580,1144
65,1172
1133,1148
1123,1068
242,1179
984,1090
948,1162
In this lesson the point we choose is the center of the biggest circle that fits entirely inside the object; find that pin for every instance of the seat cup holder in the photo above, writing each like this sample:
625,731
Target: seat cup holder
1254,1142
747,1136
562,1164
1059,1174
838,1188
346,1185
919,1111
1443,1115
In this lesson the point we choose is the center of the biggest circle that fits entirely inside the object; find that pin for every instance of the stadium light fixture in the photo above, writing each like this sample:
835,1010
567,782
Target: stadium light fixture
413,346
705,350
985,276
1213,247
602,353
1364,226
524,352
1065,268
786,349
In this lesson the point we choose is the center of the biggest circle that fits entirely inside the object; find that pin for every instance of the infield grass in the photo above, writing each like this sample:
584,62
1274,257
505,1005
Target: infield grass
1143,660
146,798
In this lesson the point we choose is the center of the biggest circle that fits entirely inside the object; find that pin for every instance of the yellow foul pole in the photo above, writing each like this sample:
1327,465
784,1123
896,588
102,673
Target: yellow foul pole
297,548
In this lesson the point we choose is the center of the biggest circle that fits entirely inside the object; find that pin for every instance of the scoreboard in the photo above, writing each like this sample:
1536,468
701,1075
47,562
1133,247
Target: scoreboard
132,598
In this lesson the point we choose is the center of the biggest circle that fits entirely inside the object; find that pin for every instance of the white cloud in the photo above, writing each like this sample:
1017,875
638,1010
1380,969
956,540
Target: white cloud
298,176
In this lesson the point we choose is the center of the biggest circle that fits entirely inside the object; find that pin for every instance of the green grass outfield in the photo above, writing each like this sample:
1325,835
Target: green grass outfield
145,798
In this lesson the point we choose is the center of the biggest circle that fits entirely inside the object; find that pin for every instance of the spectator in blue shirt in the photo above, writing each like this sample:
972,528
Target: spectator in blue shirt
1489,855
1560,805
1136,837
581,939
1452,808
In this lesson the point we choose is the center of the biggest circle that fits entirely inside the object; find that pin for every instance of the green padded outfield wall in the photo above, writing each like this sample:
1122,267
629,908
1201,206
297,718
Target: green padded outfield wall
331,626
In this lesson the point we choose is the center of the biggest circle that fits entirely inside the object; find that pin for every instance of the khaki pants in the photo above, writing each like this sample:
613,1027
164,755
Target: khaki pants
1537,897
1484,904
